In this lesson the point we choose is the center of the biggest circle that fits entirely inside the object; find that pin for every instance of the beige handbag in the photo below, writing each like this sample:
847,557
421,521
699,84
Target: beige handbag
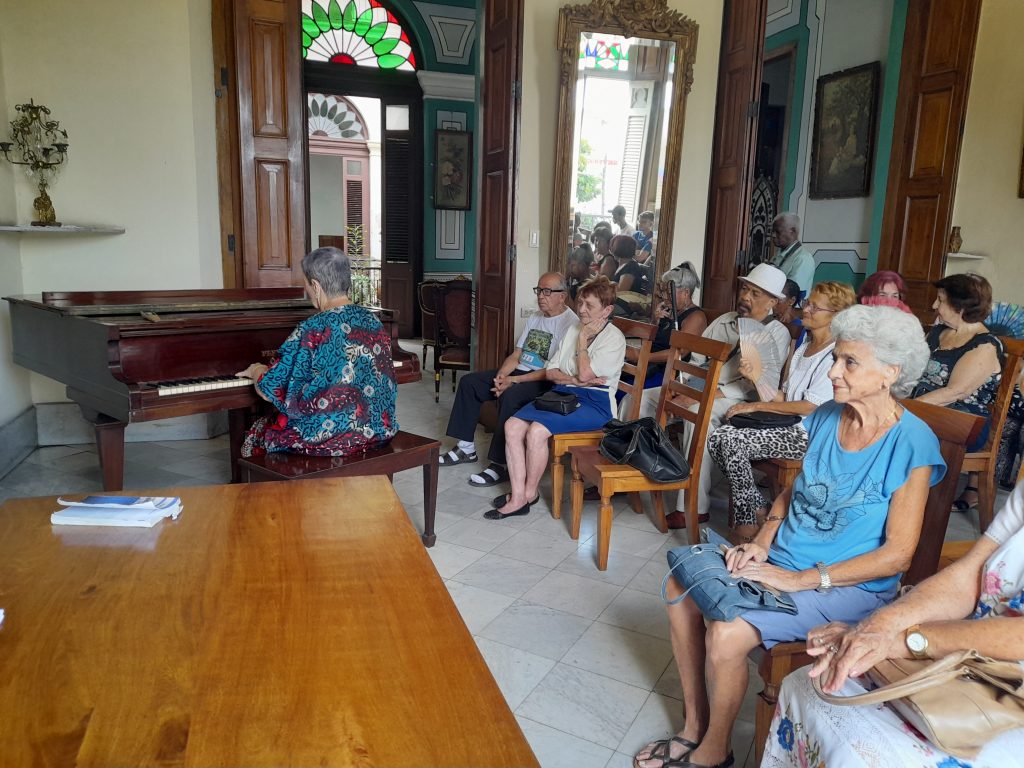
959,703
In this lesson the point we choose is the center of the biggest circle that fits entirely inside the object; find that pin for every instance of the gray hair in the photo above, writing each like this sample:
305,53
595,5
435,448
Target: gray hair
331,268
558,276
684,276
788,220
895,337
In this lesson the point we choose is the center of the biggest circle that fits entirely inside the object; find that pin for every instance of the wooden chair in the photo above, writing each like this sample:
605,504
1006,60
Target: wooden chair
984,461
454,320
954,430
637,360
588,464
404,451
427,294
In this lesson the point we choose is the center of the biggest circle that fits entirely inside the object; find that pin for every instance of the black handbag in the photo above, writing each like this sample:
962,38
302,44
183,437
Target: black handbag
644,445
563,403
763,420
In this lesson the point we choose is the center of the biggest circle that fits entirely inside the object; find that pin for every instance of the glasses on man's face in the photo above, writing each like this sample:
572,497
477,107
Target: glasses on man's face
547,291
815,309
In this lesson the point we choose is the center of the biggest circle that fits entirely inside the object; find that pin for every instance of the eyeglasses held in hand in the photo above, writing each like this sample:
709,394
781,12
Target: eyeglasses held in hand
547,291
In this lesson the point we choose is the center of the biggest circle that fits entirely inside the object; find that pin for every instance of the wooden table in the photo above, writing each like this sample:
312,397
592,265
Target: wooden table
267,626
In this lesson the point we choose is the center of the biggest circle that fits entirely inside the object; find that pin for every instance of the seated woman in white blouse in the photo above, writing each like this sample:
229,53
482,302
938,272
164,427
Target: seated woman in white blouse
977,602
588,365
806,387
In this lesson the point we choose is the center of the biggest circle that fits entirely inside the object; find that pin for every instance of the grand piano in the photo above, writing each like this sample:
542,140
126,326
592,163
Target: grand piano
132,356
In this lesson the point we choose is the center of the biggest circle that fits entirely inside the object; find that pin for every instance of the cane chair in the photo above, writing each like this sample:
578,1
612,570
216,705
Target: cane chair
955,430
637,360
589,465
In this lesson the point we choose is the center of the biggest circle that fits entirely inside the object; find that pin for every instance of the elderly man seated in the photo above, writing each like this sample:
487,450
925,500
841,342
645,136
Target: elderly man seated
760,291
518,381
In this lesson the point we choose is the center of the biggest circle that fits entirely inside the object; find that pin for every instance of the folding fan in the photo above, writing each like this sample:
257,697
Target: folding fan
760,349
1006,319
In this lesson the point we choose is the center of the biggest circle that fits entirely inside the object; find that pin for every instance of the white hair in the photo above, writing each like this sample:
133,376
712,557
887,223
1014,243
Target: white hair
896,338
788,220
684,276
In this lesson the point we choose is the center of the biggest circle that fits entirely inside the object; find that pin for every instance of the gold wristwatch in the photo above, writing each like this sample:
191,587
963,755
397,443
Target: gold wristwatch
916,642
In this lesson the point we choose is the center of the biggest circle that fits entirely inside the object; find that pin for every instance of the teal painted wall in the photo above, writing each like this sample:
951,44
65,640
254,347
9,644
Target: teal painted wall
431,253
796,35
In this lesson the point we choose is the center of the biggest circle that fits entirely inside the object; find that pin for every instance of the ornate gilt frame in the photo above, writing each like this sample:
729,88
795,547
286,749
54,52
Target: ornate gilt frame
650,19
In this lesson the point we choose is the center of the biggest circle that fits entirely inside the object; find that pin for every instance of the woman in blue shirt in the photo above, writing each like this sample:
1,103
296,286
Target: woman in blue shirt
830,540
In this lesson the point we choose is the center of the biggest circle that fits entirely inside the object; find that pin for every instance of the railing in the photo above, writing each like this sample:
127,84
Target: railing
365,287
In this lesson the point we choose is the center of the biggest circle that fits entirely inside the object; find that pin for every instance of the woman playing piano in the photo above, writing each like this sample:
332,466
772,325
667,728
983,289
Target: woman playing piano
332,382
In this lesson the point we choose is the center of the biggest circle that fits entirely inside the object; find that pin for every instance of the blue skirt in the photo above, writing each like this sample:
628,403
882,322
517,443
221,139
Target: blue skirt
594,412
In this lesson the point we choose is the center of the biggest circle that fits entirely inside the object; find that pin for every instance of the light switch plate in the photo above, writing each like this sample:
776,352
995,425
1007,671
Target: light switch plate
534,238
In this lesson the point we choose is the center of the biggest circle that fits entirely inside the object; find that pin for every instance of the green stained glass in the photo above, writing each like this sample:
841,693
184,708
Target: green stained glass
332,111
321,19
355,32
375,33
309,28
349,21
390,61
385,46
364,23
334,13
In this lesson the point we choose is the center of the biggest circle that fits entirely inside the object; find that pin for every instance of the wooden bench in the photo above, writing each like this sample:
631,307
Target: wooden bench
404,451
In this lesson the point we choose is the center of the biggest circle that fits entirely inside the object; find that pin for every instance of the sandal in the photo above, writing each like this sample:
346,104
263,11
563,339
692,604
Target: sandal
661,750
456,456
501,500
963,506
494,474
684,763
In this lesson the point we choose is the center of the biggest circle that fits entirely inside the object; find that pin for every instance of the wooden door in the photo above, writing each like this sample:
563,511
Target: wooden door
402,213
271,135
496,282
935,75
732,155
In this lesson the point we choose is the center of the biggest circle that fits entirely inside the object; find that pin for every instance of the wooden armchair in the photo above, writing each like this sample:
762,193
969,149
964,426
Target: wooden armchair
984,461
954,430
588,464
427,294
454,320
637,368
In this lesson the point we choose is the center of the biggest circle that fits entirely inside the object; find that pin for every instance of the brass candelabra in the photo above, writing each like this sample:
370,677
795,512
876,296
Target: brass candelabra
41,145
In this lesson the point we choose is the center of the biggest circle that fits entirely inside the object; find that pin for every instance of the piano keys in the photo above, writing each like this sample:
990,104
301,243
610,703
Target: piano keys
134,356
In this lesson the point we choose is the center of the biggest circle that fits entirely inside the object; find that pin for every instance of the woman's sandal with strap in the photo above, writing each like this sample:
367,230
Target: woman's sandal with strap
962,506
662,750
684,763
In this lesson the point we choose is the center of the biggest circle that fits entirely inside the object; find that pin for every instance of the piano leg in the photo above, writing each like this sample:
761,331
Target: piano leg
430,497
110,444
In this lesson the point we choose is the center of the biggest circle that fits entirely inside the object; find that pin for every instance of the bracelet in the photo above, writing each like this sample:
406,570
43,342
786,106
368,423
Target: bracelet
774,518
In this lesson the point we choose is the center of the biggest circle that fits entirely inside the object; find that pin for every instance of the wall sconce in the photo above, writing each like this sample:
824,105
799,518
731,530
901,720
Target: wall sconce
41,146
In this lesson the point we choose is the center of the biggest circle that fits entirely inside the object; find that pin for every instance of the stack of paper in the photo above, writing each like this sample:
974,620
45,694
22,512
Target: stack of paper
134,511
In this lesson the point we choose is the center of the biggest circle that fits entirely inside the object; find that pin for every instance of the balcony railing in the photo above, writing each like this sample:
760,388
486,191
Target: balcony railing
365,287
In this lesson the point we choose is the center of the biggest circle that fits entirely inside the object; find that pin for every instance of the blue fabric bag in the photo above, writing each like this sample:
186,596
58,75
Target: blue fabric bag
700,570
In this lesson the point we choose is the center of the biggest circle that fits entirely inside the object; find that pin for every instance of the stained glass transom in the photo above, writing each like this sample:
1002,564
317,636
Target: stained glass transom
610,55
333,118
360,32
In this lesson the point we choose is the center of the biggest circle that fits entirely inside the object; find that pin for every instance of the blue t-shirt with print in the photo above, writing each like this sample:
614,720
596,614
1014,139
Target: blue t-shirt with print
840,500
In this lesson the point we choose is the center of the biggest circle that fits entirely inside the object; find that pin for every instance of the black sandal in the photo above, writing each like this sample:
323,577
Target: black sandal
662,750
962,506
455,456
494,474
684,763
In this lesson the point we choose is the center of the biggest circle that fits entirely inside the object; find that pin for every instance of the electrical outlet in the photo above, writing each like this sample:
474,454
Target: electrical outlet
534,238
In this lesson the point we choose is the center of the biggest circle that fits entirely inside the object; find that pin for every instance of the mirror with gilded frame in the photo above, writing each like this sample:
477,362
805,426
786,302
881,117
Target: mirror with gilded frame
626,70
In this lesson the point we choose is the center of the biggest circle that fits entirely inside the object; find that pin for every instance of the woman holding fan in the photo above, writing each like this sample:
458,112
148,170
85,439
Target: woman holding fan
806,386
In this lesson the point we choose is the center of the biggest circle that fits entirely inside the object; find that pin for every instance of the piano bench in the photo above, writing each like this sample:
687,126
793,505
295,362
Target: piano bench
404,451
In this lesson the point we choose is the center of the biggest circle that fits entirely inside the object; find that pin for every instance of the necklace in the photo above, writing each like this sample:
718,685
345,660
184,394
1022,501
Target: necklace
882,426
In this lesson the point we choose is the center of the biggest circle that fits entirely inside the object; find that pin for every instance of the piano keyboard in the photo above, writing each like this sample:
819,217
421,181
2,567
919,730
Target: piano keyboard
207,384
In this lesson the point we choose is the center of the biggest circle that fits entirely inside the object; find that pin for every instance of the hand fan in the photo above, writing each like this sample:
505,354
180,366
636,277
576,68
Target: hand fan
760,349
1006,319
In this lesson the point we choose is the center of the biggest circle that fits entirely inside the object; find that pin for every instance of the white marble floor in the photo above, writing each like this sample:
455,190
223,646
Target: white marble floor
582,657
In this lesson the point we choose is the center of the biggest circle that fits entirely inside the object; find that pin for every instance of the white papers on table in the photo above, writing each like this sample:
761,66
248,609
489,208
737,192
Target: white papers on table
131,511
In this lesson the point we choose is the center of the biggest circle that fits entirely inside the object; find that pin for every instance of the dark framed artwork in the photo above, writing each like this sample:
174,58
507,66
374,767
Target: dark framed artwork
453,172
843,139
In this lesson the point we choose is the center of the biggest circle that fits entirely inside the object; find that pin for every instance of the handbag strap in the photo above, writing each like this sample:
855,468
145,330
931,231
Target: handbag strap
958,664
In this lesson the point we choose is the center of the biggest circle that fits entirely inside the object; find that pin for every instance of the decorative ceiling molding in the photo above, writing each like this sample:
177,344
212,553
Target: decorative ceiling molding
452,30
446,85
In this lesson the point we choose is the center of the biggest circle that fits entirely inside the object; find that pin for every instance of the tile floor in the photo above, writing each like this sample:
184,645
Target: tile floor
582,657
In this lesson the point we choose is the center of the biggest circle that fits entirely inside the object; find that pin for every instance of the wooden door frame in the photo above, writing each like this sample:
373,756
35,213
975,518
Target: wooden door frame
790,50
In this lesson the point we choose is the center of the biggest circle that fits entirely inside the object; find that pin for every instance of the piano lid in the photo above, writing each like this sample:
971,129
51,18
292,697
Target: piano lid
99,303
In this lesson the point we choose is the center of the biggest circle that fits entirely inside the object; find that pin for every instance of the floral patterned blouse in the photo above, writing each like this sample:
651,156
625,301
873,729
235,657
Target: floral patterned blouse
943,361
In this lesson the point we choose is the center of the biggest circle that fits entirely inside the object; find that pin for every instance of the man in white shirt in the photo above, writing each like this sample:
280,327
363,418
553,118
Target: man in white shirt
791,257
518,381
760,291
622,227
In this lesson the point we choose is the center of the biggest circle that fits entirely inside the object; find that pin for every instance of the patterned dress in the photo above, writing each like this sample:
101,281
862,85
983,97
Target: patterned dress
333,385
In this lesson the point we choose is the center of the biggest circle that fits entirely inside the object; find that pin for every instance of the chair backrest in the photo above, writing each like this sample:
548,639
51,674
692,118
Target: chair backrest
955,430
637,368
716,352
1014,350
454,312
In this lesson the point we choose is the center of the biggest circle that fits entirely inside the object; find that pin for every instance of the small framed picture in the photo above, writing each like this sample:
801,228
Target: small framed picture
453,171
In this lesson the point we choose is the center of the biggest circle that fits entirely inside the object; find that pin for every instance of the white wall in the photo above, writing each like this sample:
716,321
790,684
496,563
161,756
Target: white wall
539,122
326,196
133,85
13,380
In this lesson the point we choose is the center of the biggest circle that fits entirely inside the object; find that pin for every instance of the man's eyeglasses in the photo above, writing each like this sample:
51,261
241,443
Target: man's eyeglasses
547,291
814,308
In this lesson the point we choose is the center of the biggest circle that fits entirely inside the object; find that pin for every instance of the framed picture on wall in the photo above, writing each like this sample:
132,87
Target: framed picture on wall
453,172
843,139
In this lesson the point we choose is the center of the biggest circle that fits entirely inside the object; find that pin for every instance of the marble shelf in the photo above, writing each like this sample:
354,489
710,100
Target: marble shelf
64,229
